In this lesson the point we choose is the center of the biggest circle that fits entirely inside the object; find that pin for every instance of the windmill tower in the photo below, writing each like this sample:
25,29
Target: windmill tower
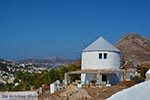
100,55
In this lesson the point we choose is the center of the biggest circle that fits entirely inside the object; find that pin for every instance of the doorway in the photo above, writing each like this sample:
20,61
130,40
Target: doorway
104,78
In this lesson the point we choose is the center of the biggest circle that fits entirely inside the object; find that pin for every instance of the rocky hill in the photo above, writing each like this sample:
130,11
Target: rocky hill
134,48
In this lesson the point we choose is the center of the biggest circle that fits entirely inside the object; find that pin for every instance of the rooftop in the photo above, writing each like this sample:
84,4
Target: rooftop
101,45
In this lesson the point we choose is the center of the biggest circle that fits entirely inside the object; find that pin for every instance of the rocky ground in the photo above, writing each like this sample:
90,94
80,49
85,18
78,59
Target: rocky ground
87,93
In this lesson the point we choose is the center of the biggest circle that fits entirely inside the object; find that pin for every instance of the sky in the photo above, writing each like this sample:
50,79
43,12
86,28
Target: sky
63,28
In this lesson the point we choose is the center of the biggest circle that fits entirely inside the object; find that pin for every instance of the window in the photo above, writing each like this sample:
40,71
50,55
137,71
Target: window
100,55
105,55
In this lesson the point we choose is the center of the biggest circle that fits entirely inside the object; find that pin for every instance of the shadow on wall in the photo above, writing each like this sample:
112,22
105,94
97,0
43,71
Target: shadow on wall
113,78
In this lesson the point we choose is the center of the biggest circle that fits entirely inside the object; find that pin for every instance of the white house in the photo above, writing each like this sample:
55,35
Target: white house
100,55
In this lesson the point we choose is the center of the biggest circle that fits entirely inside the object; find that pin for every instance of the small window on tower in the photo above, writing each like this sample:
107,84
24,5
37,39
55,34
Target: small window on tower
105,55
100,55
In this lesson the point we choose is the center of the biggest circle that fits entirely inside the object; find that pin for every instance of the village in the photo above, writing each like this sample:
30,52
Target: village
9,68
7,74
101,70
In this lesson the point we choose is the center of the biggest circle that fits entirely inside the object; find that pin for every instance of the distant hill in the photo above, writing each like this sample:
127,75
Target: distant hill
52,59
49,61
134,48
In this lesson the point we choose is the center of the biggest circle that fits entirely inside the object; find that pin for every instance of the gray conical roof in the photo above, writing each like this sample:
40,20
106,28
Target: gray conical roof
101,45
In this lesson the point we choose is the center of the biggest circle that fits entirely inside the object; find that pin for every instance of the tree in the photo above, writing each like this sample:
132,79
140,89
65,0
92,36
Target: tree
69,68
142,76
54,75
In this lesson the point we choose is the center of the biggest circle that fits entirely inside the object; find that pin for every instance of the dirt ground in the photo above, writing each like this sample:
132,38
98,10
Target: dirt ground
88,93
105,92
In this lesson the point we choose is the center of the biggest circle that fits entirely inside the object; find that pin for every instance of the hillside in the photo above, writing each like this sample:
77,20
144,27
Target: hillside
134,48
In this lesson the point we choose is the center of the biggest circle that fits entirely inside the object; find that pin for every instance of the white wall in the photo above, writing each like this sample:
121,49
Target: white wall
90,60
137,92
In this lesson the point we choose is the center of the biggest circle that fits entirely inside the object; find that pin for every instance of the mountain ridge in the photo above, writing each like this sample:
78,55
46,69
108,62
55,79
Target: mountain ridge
134,48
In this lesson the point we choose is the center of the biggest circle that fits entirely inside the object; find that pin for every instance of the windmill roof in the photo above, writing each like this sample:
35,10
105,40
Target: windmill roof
101,45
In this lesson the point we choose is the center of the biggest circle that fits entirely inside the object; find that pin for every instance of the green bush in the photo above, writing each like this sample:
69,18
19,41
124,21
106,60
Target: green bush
138,79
